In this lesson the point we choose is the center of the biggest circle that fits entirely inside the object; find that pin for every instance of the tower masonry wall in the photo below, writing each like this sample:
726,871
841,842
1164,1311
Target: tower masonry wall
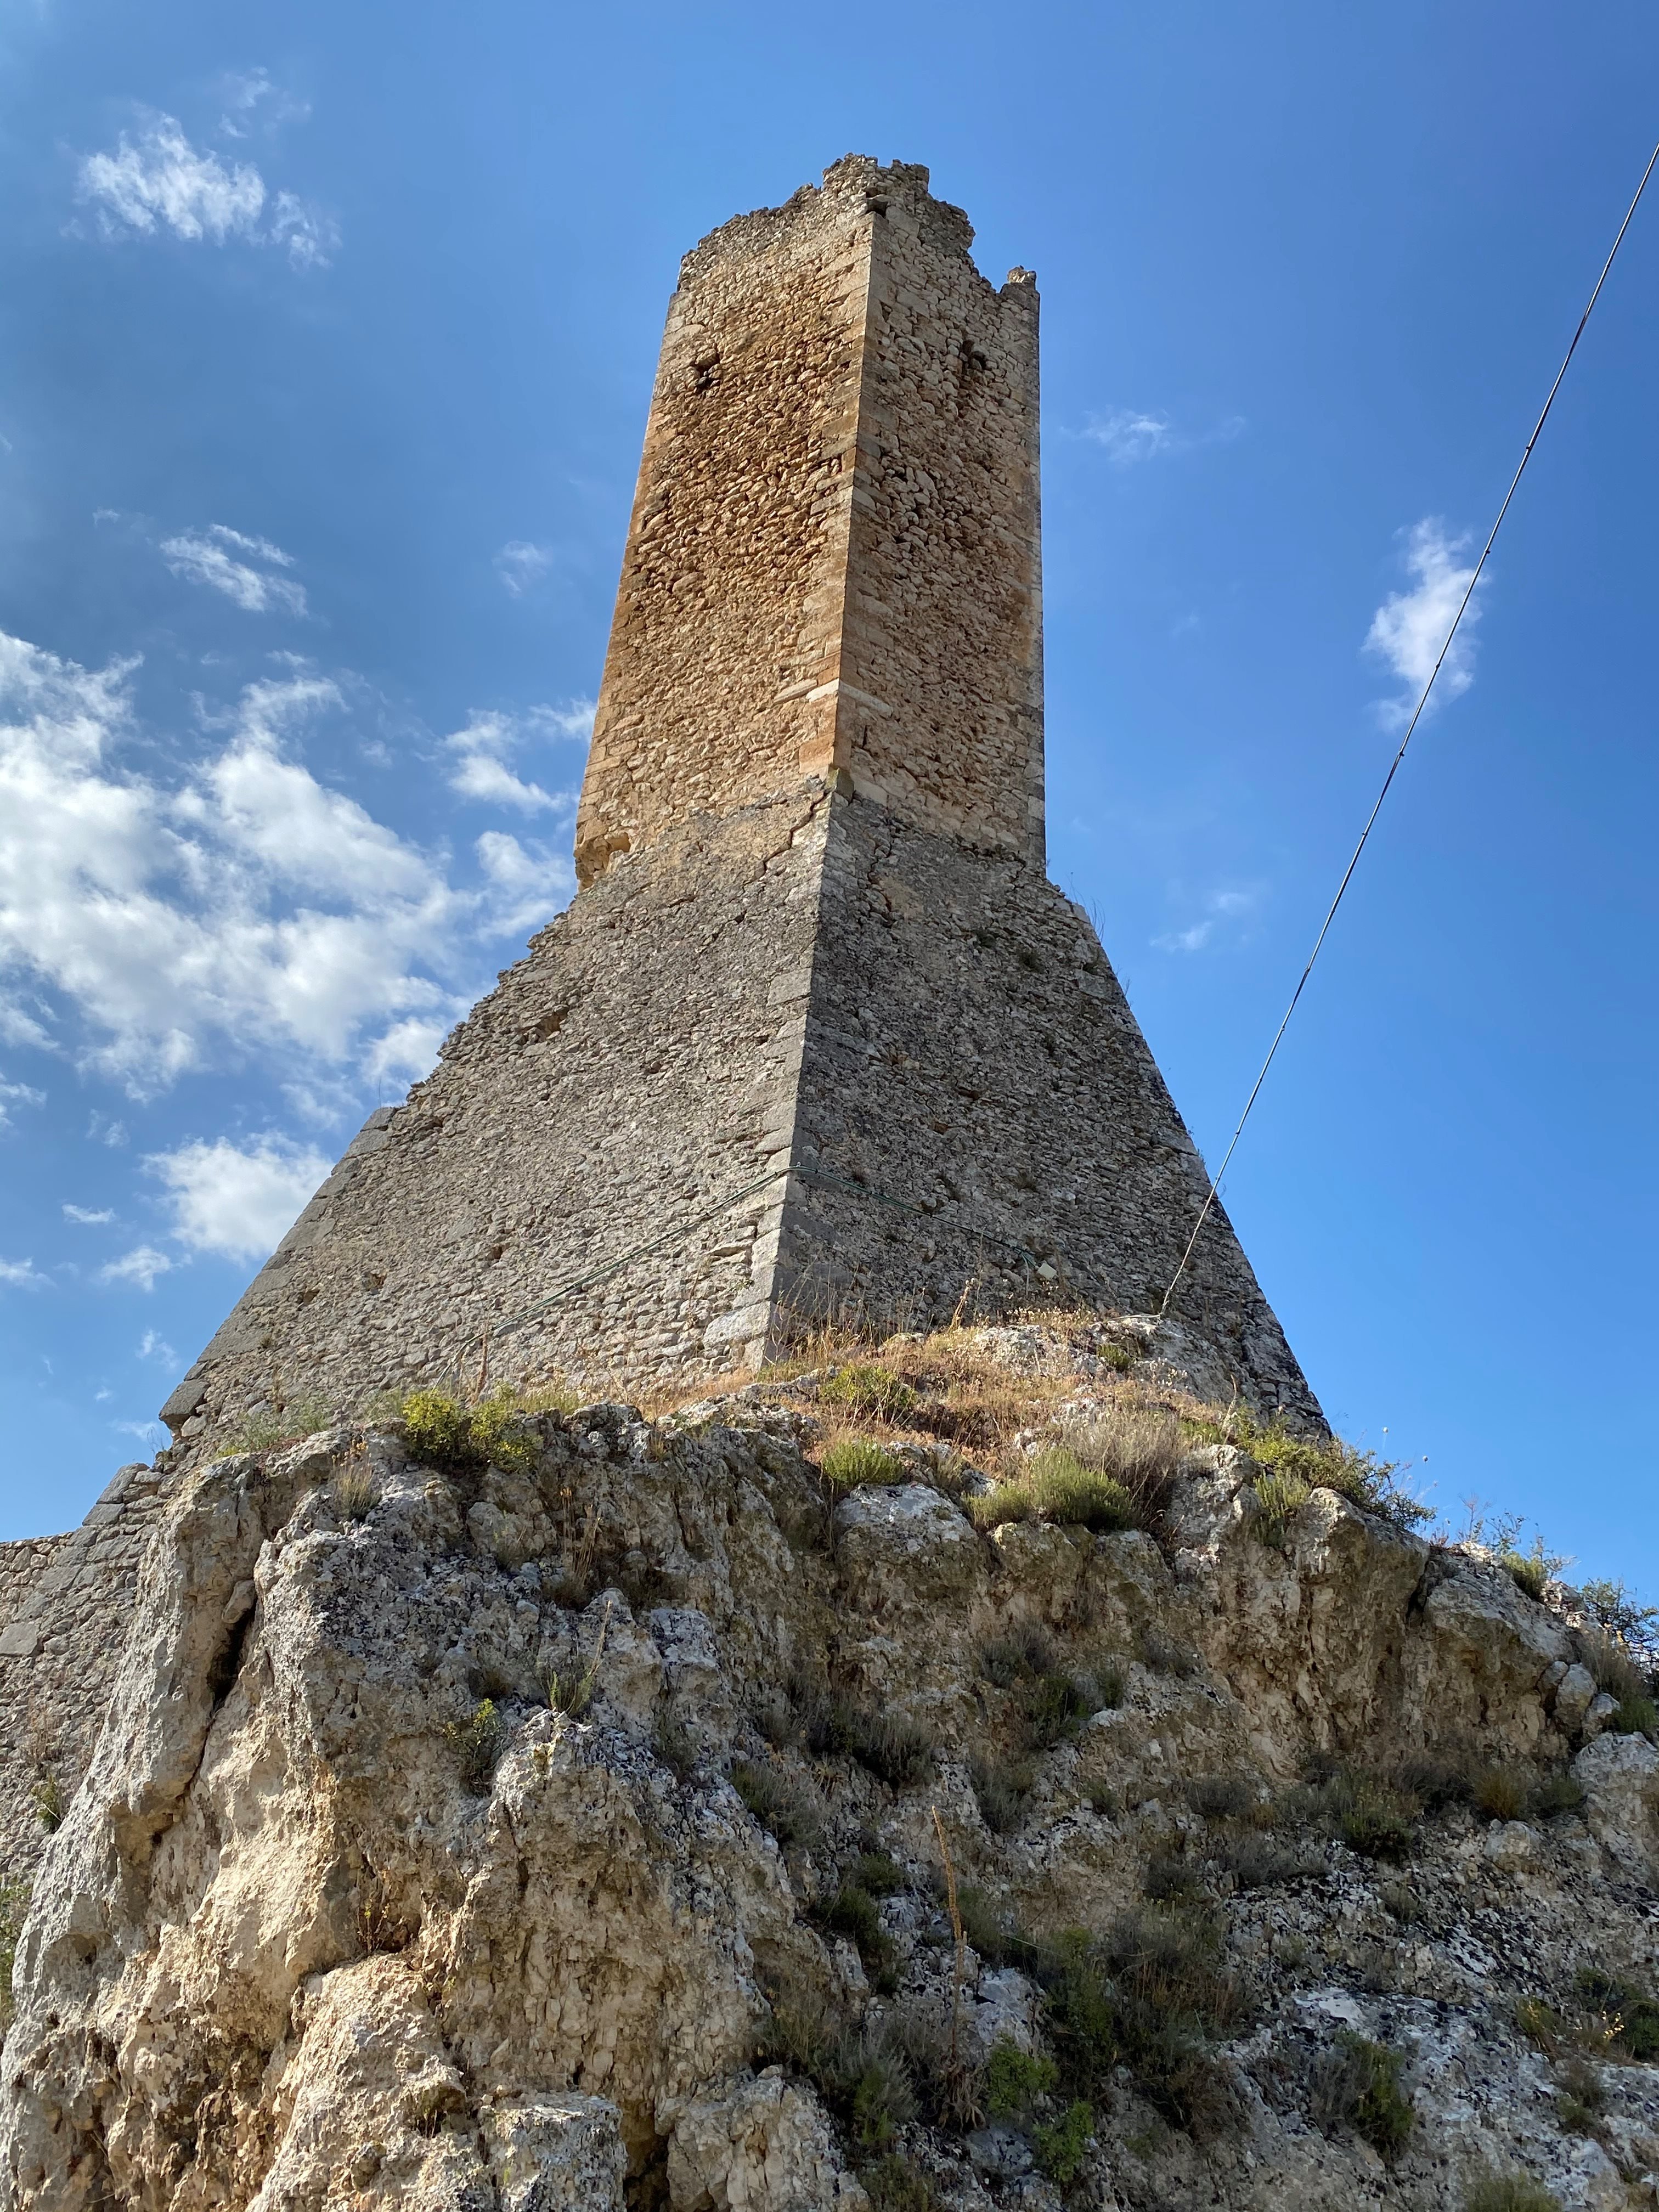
832,567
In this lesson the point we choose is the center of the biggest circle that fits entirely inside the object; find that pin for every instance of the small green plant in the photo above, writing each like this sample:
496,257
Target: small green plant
1220,1796
1499,1793
573,1693
455,1437
878,1873
1001,1788
893,2185
479,1743
14,1903
1372,1817
1055,1485
1362,2086
1051,1710
355,1490
852,1912
1561,1792
1061,2145
1582,2099
1325,1463
1637,1715
851,1462
1278,1494
1532,1571
1539,2022
1626,2018
675,1746
780,1804
998,1943
47,1798
1509,2192
1016,2082
896,1749
1401,1902
869,1393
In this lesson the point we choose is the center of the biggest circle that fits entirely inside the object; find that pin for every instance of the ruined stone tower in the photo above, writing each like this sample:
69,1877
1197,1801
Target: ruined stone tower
817,1034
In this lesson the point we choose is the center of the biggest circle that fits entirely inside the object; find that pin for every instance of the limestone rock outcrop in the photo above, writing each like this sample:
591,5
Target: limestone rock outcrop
639,1823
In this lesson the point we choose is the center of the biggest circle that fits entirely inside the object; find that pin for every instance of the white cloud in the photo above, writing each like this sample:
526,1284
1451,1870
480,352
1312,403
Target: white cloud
157,1348
18,1094
93,1215
482,748
1220,907
251,98
141,1265
238,1202
207,557
21,1274
520,563
1128,435
160,179
1409,628
160,926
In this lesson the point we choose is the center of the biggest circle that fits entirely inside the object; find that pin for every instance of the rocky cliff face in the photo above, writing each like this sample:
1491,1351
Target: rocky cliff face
596,1811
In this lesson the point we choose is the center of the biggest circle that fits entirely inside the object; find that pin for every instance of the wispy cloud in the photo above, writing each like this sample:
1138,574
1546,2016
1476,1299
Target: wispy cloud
209,557
482,747
238,1202
22,1275
253,99
1129,434
1409,628
92,1216
1219,907
159,181
141,1267
157,1348
18,1094
519,564
247,906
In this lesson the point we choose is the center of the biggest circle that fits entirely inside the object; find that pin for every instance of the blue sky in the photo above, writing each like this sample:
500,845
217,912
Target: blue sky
328,337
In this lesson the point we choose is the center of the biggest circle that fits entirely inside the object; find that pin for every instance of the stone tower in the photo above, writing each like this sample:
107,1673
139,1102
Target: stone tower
817,1034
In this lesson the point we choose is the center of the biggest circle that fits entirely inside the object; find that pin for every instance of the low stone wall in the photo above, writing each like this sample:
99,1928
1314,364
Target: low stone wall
65,1605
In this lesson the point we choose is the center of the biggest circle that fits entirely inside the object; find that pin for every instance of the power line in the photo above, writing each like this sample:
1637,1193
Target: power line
1365,835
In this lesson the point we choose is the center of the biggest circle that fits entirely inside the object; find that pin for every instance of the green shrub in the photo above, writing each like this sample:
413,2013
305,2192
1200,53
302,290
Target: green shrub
1005,1501
1637,1715
1073,1495
1062,2146
1172,1995
1278,1495
1362,2086
851,1462
1052,1707
1260,1862
1220,1796
479,1743
1001,1788
1326,1463
869,1393
852,1912
998,1943
1372,1817
1110,1678
882,1875
1561,1792
355,1490
1016,2082
47,1798
780,1804
1509,2192
455,1438
1530,1571
1499,1793
1018,1655
893,2185
1627,2018
1402,1902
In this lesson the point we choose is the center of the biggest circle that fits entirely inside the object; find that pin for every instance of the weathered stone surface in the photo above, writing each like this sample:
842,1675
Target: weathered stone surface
305,1938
